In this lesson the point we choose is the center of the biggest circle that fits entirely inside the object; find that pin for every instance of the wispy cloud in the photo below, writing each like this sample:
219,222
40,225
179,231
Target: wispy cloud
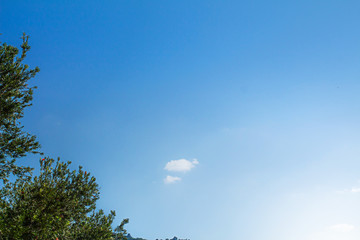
171,179
342,227
341,231
181,165
352,190
355,190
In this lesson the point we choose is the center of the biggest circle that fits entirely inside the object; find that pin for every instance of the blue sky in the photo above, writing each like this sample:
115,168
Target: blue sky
259,100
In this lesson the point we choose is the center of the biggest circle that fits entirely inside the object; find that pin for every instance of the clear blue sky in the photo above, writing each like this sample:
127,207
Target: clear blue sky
264,94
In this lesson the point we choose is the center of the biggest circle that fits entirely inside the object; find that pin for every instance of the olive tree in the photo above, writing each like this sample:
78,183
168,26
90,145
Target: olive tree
15,95
59,203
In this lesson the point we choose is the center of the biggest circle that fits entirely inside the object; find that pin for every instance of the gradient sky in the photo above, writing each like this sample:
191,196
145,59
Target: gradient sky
259,98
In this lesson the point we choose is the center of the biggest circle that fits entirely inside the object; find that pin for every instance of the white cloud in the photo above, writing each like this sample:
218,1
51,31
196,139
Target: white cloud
342,227
181,165
352,190
171,179
335,232
355,190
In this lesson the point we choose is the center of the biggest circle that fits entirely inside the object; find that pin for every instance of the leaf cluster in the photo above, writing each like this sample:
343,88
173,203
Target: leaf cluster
57,204
15,96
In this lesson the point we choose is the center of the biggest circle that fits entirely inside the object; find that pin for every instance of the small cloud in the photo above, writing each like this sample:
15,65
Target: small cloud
171,179
342,228
181,165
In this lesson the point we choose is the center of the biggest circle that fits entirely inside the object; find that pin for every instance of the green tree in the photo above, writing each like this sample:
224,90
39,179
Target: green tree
15,96
56,204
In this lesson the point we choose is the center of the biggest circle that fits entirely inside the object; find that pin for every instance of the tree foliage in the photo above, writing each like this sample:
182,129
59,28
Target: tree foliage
15,96
56,204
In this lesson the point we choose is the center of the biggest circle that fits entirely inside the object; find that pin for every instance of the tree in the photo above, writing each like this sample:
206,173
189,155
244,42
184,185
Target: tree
15,96
57,204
